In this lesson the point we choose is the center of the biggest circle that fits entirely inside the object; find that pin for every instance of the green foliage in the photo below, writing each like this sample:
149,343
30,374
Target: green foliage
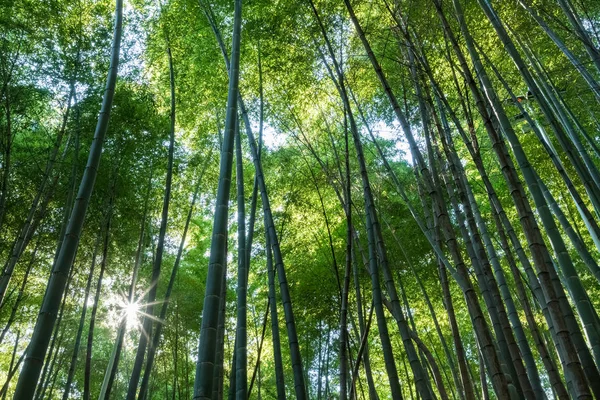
46,48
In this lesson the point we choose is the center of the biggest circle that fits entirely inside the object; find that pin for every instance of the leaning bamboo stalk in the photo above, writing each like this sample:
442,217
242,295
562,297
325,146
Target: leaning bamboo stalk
498,377
589,79
586,215
63,264
550,284
577,25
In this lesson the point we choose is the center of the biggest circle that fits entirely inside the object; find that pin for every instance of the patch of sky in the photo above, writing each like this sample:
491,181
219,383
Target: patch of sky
272,139
385,131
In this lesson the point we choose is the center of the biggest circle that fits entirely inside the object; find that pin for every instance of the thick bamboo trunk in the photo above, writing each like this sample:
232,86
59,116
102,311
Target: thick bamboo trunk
299,385
55,343
62,266
203,385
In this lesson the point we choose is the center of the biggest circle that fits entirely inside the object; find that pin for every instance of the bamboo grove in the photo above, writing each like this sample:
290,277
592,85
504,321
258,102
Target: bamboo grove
310,199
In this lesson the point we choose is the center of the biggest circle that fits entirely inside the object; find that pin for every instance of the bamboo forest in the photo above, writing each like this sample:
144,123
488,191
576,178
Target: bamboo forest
299,199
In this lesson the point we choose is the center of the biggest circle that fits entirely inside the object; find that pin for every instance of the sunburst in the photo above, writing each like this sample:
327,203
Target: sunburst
132,311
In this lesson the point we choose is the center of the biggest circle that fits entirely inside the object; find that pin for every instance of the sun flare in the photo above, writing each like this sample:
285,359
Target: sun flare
131,311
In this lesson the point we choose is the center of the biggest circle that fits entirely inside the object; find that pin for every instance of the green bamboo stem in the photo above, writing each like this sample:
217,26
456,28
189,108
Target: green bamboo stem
205,368
56,286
